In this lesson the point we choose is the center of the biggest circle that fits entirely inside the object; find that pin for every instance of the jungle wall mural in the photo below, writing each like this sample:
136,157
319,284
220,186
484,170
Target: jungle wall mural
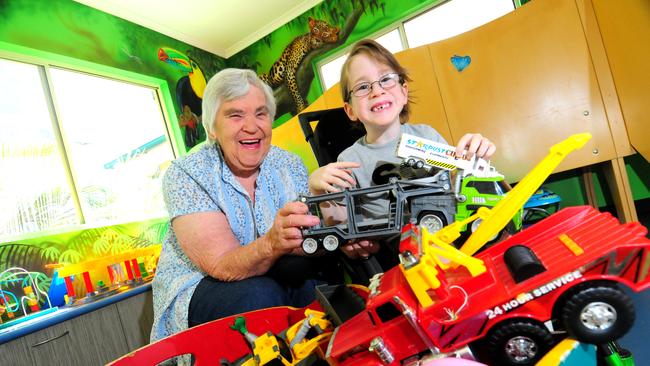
69,28
286,58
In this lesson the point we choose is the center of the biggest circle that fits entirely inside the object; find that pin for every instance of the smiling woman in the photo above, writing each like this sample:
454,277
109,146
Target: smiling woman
235,239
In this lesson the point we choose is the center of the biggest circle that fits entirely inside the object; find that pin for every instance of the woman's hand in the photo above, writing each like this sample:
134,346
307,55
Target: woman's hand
475,144
360,249
286,235
332,177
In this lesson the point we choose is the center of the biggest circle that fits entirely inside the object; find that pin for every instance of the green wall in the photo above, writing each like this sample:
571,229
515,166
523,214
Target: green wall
64,30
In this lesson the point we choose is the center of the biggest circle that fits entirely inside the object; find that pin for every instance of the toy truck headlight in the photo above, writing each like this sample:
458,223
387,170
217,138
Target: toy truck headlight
378,346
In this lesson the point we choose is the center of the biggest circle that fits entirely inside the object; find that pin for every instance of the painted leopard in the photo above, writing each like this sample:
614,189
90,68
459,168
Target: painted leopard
285,68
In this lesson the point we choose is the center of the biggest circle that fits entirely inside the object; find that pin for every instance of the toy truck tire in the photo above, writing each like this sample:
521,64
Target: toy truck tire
331,242
598,313
416,163
310,245
500,236
410,162
518,342
433,221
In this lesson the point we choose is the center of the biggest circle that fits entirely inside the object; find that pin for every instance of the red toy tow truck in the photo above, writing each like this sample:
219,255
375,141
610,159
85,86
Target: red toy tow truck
561,275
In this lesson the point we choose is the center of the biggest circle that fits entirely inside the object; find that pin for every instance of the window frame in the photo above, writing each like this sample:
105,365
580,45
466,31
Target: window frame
44,60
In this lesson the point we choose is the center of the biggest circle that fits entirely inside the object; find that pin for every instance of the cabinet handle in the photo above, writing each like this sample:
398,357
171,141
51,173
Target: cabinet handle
51,339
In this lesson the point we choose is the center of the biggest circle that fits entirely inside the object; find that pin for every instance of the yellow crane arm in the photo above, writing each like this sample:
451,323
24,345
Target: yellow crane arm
502,212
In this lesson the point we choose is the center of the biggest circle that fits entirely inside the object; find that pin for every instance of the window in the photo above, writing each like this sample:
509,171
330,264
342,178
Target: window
77,149
453,18
443,21
392,41
388,311
331,71
34,192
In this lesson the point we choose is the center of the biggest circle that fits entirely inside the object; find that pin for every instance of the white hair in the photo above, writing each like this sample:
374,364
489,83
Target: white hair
227,85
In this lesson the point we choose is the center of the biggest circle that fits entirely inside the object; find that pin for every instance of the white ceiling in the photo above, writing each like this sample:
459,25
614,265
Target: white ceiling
223,27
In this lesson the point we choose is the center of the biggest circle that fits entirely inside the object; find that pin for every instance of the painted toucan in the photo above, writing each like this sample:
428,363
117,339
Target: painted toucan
189,88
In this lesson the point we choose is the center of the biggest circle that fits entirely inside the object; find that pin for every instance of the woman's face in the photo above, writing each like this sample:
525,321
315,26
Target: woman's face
243,130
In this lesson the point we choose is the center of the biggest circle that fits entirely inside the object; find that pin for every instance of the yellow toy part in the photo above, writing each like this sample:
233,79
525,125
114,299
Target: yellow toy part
266,349
569,352
422,277
438,253
300,346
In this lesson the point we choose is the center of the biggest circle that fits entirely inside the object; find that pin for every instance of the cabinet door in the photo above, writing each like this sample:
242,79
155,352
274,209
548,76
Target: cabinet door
91,339
15,352
530,84
625,30
426,106
136,315
51,345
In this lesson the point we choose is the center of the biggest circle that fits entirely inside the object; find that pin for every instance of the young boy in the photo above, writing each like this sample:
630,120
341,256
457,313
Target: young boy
375,93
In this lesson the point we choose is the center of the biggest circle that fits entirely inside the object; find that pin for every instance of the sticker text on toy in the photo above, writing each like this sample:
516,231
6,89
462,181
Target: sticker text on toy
528,296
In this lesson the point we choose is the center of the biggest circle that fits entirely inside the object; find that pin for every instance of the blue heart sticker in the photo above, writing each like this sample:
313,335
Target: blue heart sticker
460,62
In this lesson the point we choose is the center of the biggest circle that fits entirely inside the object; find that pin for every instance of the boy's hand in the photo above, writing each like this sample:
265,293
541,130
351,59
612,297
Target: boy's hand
360,249
475,144
332,177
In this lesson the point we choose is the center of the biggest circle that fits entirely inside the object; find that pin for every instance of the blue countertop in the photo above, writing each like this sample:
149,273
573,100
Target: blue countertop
65,313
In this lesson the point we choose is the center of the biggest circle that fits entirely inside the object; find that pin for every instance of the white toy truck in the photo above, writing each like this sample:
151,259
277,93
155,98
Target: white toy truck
477,183
419,153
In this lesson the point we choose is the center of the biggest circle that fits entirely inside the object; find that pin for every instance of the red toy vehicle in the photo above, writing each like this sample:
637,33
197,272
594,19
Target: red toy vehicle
562,274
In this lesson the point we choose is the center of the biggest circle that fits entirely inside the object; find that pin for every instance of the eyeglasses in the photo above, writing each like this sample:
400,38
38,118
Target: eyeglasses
386,82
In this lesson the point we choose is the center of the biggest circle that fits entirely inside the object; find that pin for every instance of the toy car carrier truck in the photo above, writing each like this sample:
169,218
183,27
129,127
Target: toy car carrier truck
433,201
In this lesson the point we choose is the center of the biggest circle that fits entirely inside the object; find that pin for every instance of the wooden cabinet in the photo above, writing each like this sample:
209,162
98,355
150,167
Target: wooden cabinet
136,316
15,352
531,83
94,338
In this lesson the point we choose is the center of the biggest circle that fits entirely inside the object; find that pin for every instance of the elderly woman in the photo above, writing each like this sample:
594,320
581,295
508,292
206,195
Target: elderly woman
234,242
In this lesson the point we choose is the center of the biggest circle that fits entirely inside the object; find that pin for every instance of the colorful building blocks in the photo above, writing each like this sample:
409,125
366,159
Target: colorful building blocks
115,272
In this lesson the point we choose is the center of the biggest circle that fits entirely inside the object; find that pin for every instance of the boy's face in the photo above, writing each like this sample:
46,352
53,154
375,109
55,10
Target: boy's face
380,108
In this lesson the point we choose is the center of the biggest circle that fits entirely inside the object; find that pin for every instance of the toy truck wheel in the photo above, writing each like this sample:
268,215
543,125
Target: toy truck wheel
330,242
598,313
410,162
419,164
476,223
310,245
431,221
518,343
